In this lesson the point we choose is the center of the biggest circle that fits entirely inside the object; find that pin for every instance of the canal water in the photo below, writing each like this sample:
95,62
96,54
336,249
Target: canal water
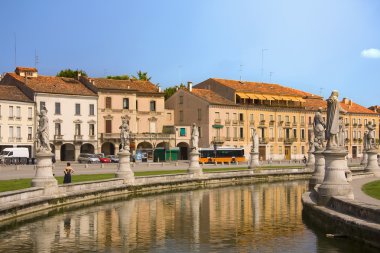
247,218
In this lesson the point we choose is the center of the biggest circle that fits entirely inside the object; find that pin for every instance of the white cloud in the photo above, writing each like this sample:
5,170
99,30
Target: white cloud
371,53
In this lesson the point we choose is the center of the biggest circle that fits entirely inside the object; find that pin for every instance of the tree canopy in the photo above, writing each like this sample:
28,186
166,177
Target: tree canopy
122,77
71,73
143,76
171,90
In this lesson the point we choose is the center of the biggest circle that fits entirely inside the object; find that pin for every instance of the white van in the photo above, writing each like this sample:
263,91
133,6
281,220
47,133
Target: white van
14,155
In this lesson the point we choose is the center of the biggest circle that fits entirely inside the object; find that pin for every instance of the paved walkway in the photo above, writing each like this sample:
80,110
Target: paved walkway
359,194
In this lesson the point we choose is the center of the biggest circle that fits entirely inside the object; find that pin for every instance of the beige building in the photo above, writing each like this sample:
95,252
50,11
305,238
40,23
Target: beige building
143,105
71,110
227,111
16,119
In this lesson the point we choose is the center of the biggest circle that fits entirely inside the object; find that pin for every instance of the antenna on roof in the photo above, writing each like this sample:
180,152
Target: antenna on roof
241,70
262,63
35,58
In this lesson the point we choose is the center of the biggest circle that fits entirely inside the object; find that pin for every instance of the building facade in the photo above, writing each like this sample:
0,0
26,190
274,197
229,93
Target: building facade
227,111
17,117
142,104
71,110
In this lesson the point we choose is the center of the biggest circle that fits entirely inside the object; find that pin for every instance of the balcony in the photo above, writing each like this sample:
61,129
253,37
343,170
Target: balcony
280,139
18,139
263,140
228,138
302,124
18,118
287,123
280,123
360,125
30,119
294,123
355,140
347,140
303,139
347,124
218,140
227,122
271,123
251,122
271,139
234,122
217,121
58,138
241,122
241,138
290,140
78,138
91,137
360,140
11,118
262,123
355,125
235,139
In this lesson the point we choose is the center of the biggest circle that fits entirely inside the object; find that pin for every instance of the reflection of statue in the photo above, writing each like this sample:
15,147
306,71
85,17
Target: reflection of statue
255,141
43,131
332,126
194,137
124,134
319,126
371,135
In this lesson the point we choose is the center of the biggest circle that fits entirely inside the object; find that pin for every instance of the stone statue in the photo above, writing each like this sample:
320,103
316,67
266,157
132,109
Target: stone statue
365,140
341,134
332,126
319,126
124,134
310,137
43,132
194,137
371,136
255,141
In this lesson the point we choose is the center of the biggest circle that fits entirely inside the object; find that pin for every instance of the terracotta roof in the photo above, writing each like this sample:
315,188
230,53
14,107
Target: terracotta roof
143,86
12,93
25,69
314,104
259,88
211,97
54,85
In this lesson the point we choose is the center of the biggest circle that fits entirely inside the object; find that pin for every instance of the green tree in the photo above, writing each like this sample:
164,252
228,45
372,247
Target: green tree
143,76
71,73
171,90
122,77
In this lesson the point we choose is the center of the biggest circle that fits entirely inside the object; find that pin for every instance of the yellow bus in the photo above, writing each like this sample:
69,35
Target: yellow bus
221,154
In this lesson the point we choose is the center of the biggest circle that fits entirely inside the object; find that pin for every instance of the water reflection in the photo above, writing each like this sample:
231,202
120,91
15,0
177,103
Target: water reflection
250,218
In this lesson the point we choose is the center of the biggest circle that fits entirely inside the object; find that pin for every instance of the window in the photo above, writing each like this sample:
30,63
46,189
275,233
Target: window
235,132
227,116
181,116
359,134
57,128
235,116
228,132
359,121
271,132
200,131
42,105
287,119
137,105
303,149
11,112
18,132
199,114
217,115
108,126
353,121
294,149
125,103
279,118
354,134
11,132
280,150
169,116
303,134
294,133
18,112
30,112
0,111
109,102
182,131
152,106
57,108
346,120
302,119
77,129
294,119
92,109
261,117
365,121
309,120
251,117
91,130
271,118
280,133
181,99
77,109
241,132
241,117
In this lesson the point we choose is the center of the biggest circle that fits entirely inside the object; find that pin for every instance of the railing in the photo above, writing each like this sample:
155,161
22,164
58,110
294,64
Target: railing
287,123
18,118
241,122
303,139
302,124
347,124
263,140
11,118
290,140
58,137
228,138
218,121
218,140
78,137
251,122
235,139
294,123
228,122
241,138
360,125
271,123
280,139
271,139
262,123
234,122
30,119
18,139
139,136
91,137
355,125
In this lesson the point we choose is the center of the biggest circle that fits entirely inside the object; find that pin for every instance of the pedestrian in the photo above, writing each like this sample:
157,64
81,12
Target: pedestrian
304,159
68,171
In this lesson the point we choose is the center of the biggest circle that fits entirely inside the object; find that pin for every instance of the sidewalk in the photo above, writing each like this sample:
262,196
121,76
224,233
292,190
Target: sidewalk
359,195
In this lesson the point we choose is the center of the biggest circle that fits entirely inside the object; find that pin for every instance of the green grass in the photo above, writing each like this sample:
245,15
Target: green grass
224,169
372,189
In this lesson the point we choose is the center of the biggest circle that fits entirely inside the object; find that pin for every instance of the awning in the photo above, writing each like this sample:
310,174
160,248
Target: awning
252,96
217,126
242,95
261,97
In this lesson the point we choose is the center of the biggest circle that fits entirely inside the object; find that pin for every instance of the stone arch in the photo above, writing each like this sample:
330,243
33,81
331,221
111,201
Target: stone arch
87,148
108,148
184,150
68,152
144,145
163,144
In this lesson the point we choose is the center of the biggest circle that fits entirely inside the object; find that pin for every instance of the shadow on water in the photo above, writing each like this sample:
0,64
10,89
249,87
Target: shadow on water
260,217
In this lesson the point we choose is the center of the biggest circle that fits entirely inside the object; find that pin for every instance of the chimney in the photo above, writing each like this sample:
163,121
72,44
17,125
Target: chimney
190,86
350,102
159,89
79,75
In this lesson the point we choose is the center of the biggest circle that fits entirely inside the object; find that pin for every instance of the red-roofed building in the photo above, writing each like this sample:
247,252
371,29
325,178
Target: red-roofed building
71,106
226,111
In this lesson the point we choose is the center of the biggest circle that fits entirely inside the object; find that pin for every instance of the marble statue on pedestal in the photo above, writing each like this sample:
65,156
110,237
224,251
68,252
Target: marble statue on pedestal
370,142
371,150
254,158
124,134
255,141
43,132
194,137
194,168
319,127
332,126
124,167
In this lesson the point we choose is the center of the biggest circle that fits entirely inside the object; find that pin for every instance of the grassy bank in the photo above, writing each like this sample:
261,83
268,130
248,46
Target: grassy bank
372,189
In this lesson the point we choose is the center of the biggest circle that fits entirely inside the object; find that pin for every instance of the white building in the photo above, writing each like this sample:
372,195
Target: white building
71,106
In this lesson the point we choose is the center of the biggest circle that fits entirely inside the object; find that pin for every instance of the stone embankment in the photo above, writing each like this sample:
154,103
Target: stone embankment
15,204
343,216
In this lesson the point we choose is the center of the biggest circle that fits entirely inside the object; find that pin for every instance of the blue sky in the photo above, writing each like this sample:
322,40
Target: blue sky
315,46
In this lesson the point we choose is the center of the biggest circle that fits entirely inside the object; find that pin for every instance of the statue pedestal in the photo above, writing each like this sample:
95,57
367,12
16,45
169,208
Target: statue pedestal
310,160
319,171
372,165
334,182
194,167
364,160
44,171
124,167
254,160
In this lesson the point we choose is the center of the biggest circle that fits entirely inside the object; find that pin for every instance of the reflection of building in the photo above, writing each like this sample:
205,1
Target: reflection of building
142,104
227,110
16,119
71,110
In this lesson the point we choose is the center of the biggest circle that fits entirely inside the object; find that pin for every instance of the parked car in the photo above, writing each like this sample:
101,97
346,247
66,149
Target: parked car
113,158
103,159
14,156
88,158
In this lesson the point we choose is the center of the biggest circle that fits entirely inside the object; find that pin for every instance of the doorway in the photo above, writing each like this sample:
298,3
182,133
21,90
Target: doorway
287,152
354,151
262,153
